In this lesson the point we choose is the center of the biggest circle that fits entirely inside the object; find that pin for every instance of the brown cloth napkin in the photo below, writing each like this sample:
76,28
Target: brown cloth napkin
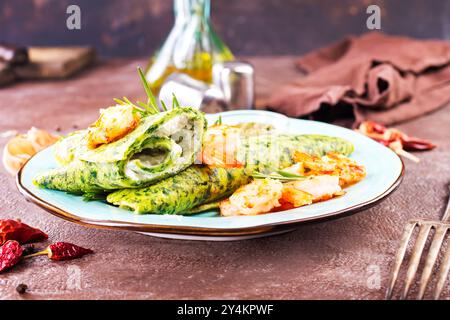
374,77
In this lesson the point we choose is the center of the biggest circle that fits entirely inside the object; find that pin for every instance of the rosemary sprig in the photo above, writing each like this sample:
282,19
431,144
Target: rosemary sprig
175,103
151,102
119,101
124,102
289,175
147,108
279,175
151,107
163,105
127,102
218,121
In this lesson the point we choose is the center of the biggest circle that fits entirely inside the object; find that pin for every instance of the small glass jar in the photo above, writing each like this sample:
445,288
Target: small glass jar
192,46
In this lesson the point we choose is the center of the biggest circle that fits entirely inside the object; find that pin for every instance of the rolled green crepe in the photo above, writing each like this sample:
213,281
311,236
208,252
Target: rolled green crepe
159,147
199,185
266,153
194,186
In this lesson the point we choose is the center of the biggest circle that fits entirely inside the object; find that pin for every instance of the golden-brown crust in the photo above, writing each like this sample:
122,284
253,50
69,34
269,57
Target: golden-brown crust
113,124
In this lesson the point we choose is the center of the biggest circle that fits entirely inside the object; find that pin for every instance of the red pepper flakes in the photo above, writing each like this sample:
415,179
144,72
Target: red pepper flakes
19,231
395,139
10,254
62,251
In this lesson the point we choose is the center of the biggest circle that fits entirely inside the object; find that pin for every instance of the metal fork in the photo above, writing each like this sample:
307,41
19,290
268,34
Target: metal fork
441,229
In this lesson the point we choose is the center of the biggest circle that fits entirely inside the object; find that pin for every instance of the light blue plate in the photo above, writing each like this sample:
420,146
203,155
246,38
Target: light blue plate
384,173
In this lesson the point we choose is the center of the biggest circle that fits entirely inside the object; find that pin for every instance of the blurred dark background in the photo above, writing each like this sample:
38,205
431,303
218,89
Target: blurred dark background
263,27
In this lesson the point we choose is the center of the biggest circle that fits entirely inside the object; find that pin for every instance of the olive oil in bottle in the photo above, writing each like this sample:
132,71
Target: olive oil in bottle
192,46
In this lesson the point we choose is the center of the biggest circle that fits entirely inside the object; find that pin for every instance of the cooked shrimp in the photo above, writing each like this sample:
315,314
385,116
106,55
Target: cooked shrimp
314,189
297,168
114,123
348,170
313,165
220,146
259,196
296,197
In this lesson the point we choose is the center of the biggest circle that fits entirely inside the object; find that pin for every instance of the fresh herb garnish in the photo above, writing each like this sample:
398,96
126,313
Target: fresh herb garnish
175,102
279,175
163,105
151,107
120,101
127,102
218,121
147,108
289,175
151,101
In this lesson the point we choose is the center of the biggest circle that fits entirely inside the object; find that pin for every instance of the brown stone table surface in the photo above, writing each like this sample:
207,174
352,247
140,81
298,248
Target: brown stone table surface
348,258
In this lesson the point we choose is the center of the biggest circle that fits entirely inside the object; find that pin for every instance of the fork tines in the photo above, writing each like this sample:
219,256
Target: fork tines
424,229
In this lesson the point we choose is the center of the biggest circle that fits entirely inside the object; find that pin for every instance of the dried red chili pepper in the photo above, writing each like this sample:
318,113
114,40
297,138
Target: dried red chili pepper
376,127
416,144
395,139
19,231
62,251
10,254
